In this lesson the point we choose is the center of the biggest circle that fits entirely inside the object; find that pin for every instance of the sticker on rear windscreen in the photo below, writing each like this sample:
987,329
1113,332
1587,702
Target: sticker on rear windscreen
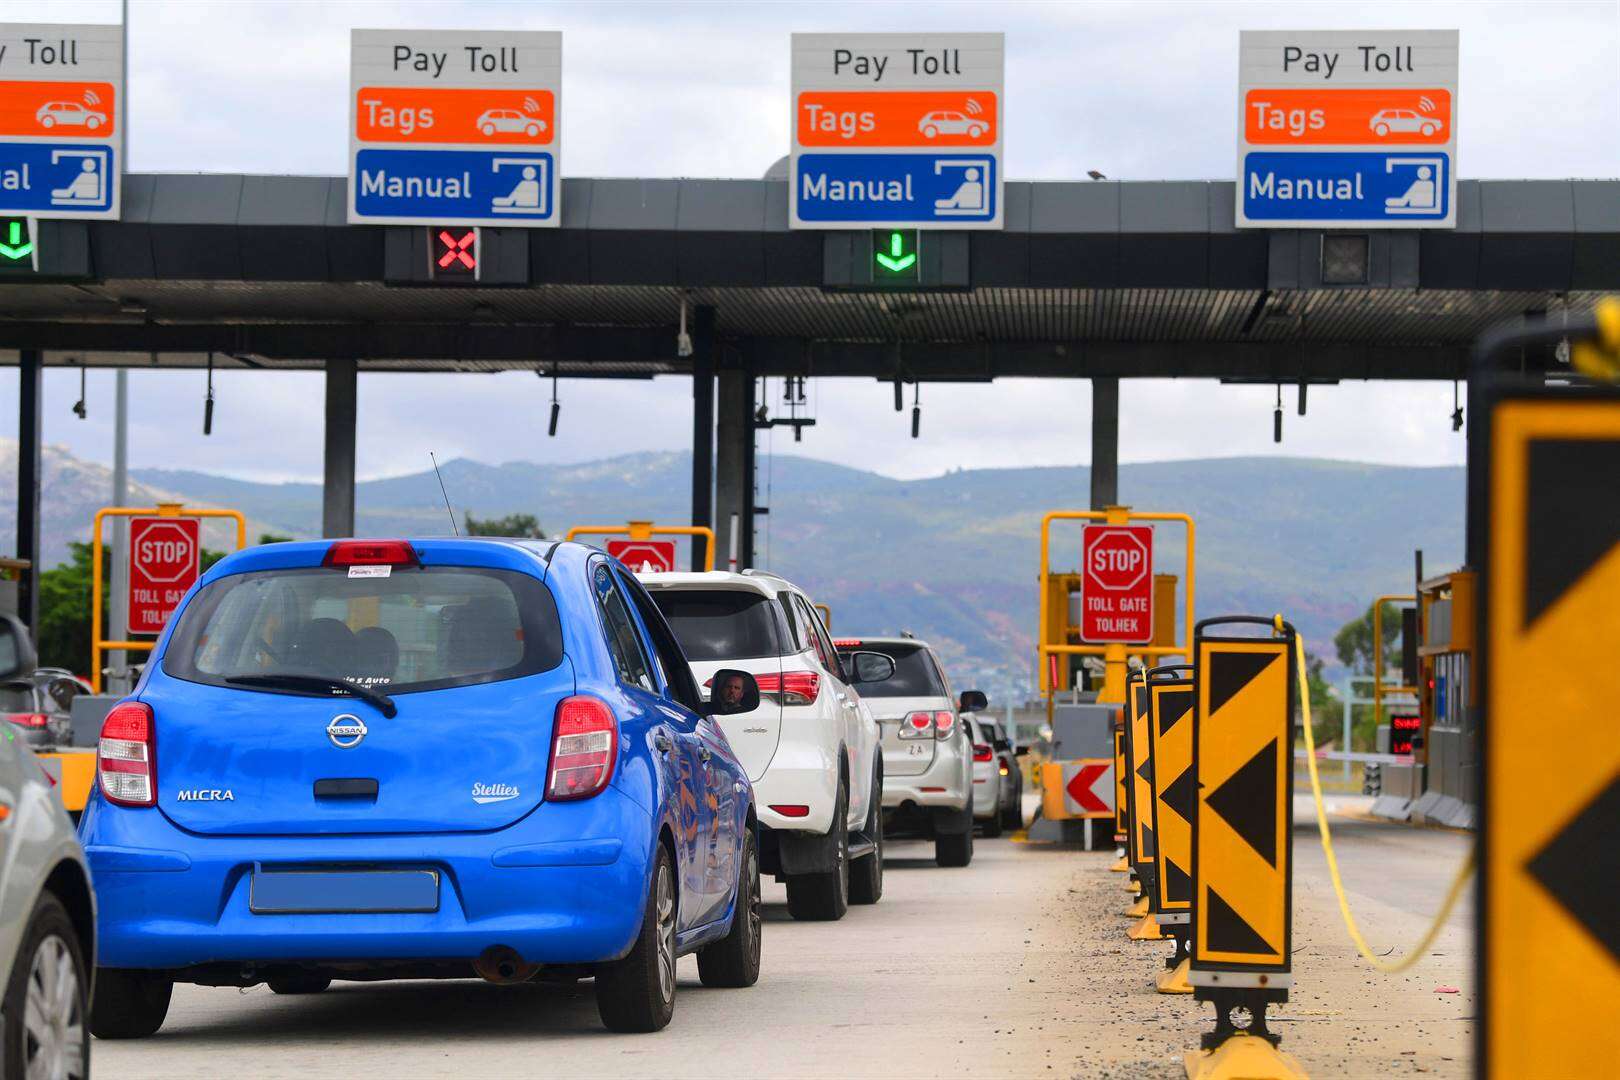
370,571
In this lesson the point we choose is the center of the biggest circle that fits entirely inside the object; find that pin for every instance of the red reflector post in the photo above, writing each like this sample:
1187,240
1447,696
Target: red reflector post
371,553
792,810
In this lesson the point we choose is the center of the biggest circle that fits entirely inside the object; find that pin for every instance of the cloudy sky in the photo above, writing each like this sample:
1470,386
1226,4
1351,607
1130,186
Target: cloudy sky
1138,90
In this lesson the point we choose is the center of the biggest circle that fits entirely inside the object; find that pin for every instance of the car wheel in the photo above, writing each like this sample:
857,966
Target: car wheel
1012,815
637,993
92,123
975,131
824,896
1382,129
1428,129
930,131
992,826
866,873
48,122
46,999
531,131
128,1004
734,959
299,984
488,129
955,848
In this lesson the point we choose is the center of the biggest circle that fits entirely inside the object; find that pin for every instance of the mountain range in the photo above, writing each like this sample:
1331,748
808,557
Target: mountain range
952,558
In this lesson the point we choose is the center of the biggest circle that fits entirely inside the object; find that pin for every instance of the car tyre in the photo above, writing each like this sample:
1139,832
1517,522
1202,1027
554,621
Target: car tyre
129,1004
733,961
637,993
1382,129
1012,815
46,999
48,122
930,131
488,130
92,123
992,827
955,849
299,984
866,873
531,131
975,131
1428,129
824,896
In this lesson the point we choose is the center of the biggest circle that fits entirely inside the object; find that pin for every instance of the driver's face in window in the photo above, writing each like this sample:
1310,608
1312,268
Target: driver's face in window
731,691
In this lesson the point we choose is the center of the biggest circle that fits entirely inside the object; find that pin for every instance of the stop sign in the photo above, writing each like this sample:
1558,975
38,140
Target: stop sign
1116,588
644,556
163,553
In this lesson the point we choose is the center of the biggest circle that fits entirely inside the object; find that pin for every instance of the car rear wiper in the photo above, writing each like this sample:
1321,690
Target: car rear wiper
380,701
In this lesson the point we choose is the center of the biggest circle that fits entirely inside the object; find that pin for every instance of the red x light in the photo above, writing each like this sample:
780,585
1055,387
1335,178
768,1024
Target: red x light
455,253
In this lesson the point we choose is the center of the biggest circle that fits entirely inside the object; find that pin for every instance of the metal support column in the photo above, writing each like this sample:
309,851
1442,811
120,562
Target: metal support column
703,430
30,368
337,492
734,470
1104,442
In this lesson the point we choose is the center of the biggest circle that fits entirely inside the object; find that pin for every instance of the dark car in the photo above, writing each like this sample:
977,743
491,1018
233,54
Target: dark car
40,706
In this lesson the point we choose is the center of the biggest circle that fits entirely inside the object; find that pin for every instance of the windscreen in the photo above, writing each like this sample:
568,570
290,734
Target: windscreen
16,697
419,628
914,674
720,624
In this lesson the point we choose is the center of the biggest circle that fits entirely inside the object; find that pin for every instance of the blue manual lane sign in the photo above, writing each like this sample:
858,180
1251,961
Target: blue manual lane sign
58,179
897,187
1408,186
456,185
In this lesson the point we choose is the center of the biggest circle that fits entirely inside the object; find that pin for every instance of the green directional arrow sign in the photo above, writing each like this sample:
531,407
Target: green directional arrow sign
18,244
895,257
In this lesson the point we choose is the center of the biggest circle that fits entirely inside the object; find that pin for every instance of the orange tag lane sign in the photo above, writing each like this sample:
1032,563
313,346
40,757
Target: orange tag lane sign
897,118
487,117
65,109
1315,117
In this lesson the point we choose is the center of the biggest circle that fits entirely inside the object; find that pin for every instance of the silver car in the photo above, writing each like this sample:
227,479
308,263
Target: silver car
47,910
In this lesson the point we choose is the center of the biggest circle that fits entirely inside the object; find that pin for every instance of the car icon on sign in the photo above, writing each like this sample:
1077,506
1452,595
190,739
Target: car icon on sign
1405,121
945,122
69,113
509,121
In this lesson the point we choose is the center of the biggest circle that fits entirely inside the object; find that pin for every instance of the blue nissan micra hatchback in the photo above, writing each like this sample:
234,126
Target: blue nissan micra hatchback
385,759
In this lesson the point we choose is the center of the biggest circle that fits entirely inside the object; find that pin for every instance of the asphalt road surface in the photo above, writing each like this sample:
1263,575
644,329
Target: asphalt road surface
1017,965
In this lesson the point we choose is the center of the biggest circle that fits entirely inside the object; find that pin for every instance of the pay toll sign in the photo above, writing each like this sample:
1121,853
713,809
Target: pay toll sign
899,130
455,127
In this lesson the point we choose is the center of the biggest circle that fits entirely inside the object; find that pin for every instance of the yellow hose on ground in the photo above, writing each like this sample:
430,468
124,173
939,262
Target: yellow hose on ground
1454,893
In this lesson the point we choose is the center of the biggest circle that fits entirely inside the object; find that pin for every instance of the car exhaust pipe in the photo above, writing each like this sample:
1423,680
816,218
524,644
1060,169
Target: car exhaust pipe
504,965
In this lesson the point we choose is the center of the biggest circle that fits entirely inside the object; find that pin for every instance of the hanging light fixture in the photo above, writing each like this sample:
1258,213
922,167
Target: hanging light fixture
556,406
79,408
1456,407
208,402
1276,418
916,409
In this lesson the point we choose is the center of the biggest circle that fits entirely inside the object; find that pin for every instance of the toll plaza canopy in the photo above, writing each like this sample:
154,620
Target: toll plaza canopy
1087,279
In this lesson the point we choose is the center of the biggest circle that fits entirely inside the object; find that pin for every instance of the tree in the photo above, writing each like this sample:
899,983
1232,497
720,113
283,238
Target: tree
63,636
522,525
1354,641
1327,721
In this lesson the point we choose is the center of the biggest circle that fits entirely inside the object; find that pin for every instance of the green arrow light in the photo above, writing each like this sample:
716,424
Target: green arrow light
896,260
16,248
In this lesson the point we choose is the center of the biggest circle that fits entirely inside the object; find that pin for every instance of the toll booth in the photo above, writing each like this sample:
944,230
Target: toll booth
1447,690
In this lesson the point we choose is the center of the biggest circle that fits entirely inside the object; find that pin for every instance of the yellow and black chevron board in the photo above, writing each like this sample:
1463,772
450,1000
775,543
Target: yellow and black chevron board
1139,781
1121,814
1242,869
1170,738
1549,902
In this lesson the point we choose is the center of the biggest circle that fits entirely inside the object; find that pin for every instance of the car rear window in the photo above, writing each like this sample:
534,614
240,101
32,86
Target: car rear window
720,624
17,697
914,673
419,628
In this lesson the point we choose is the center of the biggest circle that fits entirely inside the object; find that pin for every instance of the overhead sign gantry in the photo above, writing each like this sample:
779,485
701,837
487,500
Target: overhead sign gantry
450,127
897,130
1347,128
61,128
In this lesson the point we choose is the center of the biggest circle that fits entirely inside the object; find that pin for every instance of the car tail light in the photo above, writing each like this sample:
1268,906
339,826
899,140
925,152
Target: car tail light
28,719
792,810
371,553
126,757
793,687
917,725
583,747
981,752
944,723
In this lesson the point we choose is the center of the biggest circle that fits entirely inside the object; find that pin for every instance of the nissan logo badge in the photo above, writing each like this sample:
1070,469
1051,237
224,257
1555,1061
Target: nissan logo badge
346,731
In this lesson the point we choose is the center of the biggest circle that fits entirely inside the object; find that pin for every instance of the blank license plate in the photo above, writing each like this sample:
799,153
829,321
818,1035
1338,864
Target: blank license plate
343,892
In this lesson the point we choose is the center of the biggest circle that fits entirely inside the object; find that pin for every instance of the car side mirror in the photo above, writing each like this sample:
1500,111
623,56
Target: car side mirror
17,656
866,666
973,701
732,692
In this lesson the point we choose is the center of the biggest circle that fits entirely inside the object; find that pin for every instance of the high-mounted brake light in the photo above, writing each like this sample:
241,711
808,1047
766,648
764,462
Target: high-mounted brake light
584,744
847,643
981,752
794,687
371,553
28,719
126,756
944,723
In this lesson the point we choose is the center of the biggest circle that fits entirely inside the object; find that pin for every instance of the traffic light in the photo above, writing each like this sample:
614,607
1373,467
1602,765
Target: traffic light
18,247
453,254
896,257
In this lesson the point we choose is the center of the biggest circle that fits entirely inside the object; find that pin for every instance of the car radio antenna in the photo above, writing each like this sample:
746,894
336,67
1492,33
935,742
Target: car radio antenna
445,493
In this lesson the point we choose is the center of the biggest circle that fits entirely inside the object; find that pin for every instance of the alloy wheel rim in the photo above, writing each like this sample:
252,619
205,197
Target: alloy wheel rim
666,934
53,1019
756,918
